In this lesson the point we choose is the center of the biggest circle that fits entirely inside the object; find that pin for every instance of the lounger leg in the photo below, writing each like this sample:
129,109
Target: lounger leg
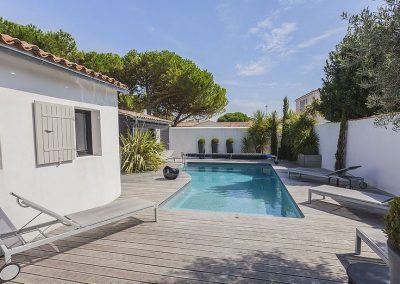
358,245
155,213
309,196
7,255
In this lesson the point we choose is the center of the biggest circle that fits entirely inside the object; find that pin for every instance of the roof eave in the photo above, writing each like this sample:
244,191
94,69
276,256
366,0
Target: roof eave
42,60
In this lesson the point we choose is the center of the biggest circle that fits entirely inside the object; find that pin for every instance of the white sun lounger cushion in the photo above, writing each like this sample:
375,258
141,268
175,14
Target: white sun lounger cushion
110,211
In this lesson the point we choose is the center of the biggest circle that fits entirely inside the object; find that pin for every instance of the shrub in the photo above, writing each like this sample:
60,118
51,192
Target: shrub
140,152
392,223
247,145
258,134
229,140
202,141
215,141
303,138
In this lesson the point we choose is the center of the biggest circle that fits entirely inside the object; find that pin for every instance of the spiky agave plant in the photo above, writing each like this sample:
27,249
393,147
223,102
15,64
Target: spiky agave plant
140,152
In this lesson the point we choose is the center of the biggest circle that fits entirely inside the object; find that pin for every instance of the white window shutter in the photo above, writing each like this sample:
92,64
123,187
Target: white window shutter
54,133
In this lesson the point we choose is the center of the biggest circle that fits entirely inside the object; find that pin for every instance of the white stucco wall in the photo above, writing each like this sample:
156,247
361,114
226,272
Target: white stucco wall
376,149
184,139
72,186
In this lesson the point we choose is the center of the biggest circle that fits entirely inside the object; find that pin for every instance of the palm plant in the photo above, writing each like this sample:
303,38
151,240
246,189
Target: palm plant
247,145
302,137
259,132
140,152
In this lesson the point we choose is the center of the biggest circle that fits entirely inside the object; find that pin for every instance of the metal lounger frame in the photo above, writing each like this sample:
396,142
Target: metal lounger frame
330,175
383,206
77,228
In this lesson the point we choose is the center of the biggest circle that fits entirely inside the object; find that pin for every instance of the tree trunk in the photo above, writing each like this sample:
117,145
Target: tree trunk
341,144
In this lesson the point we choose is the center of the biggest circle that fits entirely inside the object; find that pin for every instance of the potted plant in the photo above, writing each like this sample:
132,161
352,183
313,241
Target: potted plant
229,145
392,230
214,145
201,142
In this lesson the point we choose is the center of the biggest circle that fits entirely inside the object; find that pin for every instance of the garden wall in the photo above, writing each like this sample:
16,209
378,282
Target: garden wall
376,149
184,139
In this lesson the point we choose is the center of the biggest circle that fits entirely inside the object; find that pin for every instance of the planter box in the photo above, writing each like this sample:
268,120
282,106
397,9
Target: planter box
214,148
309,161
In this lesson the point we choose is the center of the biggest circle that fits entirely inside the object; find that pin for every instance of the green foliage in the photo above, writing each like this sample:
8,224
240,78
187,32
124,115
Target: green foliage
106,63
59,43
140,152
258,134
162,82
234,117
229,140
215,141
302,136
274,133
392,223
130,102
247,145
201,141
285,152
340,162
376,37
341,90
172,86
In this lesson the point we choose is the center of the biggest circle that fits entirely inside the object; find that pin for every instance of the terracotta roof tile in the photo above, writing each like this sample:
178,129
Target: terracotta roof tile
142,116
36,51
210,123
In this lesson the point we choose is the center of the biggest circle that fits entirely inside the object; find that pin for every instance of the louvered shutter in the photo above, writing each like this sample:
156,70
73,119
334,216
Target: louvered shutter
54,133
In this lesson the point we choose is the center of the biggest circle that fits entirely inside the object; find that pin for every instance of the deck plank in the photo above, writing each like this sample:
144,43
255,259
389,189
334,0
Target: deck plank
206,247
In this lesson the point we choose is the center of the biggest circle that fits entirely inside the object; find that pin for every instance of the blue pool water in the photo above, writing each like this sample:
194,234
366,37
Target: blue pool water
242,188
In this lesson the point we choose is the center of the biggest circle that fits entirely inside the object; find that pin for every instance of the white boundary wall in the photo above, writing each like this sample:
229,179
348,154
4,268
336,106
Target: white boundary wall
376,149
184,139
83,183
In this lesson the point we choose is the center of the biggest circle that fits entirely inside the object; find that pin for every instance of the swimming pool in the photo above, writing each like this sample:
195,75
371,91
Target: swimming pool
239,187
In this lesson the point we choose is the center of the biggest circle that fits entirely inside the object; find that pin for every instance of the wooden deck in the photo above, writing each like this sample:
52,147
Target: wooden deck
205,247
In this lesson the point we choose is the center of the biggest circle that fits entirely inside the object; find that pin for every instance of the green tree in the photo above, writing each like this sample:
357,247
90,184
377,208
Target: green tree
285,150
378,52
59,43
274,133
342,96
148,76
234,117
162,82
106,63
173,87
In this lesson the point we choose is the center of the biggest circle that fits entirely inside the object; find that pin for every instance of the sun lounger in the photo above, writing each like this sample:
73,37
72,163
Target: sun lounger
338,176
375,239
375,200
78,222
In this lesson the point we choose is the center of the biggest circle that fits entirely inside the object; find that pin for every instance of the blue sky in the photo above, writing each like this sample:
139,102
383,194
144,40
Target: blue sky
259,50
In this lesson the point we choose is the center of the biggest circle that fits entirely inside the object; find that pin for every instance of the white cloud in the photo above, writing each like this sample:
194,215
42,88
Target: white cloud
276,39
264,24
254,68
291,3
312,41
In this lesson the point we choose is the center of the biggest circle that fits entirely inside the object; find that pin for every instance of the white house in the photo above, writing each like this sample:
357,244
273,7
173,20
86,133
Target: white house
306,100
58,133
